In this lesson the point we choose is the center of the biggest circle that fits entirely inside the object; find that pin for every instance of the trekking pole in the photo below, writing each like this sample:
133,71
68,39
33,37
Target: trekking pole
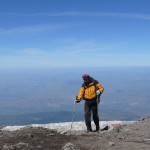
97,106
97,100
73,116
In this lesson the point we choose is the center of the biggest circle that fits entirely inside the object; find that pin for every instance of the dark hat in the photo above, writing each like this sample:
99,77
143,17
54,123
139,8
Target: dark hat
85,76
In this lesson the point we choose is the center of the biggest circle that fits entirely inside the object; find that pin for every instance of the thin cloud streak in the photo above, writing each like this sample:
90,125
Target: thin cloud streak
73,47
139,16
31,29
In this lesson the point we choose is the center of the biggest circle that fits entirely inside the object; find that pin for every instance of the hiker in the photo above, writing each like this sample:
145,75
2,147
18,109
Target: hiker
90,90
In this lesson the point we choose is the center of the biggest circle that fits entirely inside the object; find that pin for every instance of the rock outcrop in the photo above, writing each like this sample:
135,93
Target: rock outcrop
122,137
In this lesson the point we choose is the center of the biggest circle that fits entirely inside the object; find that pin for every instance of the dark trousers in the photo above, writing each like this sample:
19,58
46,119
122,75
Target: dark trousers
91,106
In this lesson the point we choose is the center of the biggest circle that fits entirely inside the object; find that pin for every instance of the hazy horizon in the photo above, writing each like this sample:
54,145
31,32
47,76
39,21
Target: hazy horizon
29,91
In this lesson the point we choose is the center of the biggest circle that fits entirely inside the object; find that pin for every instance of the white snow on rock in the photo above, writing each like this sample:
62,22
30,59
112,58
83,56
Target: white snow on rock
66,126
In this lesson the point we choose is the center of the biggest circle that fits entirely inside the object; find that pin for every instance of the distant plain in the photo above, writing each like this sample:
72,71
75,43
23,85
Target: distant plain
47,95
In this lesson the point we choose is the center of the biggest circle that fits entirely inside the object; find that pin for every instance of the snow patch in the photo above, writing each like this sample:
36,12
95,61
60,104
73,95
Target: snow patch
66,126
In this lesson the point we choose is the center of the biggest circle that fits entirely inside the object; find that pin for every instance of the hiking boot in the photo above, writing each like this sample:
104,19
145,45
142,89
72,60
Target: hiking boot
97,128
96,131
88,131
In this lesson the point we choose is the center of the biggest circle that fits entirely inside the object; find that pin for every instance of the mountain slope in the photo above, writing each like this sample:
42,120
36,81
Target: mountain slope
122,137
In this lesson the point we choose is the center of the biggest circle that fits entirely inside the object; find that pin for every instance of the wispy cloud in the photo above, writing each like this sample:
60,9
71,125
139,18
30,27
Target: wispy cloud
23,52
76,48
31,29
32,52
65,47
99,14
84,14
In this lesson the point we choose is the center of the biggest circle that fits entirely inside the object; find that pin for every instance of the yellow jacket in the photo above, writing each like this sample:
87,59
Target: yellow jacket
88,92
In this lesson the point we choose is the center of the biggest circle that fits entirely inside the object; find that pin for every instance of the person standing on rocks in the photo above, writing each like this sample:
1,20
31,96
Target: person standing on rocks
90,91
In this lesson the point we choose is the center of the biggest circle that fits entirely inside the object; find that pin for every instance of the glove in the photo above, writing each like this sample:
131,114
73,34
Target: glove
77,97
77,100
98,92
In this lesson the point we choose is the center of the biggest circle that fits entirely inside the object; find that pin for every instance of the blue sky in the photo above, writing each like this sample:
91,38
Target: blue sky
72,33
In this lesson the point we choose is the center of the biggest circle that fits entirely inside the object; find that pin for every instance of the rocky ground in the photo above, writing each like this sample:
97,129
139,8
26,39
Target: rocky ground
134,136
